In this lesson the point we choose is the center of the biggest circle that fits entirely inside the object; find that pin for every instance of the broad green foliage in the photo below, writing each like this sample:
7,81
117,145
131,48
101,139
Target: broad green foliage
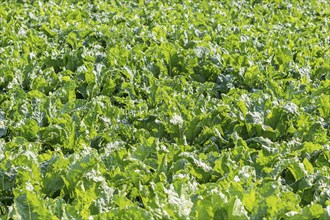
164,109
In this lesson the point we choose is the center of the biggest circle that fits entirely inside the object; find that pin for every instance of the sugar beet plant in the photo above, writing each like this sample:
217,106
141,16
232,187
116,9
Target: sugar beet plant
172,109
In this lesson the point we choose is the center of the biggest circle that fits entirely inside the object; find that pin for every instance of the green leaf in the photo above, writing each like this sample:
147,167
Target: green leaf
249,200
76,172
30,206
297,170
313,211
29,130
3,127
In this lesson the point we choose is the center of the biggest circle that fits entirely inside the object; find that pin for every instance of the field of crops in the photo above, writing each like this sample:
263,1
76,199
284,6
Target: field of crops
176,109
